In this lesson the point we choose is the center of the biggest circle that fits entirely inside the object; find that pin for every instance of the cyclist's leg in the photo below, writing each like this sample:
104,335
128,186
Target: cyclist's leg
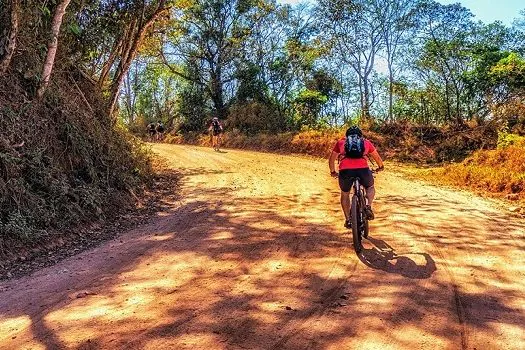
345,184
345,204
370,194
367,180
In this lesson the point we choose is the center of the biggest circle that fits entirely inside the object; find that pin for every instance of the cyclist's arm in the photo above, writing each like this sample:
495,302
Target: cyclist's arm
377,158
331,161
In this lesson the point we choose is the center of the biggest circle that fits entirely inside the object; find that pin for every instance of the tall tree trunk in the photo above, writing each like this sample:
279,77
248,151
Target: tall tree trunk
447,99
52,47
390,93
217,94
10,37
136,35
104,73
366,99
459,117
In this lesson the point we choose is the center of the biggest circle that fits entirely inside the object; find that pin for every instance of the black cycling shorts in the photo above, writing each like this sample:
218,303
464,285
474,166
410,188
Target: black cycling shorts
346,177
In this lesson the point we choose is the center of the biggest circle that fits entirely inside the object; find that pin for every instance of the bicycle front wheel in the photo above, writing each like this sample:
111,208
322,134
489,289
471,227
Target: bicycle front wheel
356,224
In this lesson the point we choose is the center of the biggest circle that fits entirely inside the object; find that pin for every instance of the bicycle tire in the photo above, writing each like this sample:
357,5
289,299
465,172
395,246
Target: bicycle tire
356,231
364,217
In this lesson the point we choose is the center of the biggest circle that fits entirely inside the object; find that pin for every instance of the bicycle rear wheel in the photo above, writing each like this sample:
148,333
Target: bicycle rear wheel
356,224
365,227
364,217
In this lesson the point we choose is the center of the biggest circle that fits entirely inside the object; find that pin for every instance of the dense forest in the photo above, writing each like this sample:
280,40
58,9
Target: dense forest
264,66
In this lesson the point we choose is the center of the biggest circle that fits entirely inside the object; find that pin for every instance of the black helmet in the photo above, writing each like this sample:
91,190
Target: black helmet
354,130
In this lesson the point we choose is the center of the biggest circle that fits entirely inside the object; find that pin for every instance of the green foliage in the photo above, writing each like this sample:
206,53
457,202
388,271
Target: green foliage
308,104
256,117
509,71
506,140
60,164
193,108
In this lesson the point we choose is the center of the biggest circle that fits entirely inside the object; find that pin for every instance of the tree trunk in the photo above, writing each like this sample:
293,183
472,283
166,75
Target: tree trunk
217,94
117,47
390,93
10,40
366,100
129,51
52,47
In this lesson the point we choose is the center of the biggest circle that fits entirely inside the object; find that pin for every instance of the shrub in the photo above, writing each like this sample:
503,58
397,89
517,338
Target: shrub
506,139
500,171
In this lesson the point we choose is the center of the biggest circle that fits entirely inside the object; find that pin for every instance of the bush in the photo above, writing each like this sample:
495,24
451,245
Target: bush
500,171
506,139
255,117
404,141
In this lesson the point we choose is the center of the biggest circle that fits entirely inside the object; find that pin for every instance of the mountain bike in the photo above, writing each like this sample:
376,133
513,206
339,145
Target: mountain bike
359,218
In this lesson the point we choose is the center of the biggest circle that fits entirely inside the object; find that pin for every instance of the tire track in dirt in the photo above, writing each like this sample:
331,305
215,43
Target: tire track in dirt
459,308
310,315
334,292
460,205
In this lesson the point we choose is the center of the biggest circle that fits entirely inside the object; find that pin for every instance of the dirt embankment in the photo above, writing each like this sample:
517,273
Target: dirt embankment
252,254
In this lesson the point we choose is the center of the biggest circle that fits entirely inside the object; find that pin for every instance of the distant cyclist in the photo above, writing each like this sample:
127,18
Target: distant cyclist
216,130
159,128
352,151
151,131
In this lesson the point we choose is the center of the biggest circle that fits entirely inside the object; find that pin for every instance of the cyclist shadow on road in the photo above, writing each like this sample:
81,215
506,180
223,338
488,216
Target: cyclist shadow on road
383,257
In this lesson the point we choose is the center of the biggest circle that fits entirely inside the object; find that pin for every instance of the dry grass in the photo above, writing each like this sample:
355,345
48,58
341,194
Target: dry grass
498,173
422,144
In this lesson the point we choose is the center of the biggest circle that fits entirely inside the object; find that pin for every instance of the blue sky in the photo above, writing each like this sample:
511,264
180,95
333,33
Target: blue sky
490,10
484,10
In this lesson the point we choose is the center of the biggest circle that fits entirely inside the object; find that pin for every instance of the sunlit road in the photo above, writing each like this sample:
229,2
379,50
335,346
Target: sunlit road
253,255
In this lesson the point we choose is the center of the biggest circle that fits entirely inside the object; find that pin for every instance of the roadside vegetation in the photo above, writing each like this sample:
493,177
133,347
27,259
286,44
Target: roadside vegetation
499,172
65,162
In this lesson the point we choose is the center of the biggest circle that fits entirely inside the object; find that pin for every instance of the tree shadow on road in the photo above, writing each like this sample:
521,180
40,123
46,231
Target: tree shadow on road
224,270
383,257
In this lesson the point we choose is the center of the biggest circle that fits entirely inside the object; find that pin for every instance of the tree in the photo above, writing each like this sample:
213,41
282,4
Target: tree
397,23
9,34
128,44
52,46
112,32
445,31
213,32
354,33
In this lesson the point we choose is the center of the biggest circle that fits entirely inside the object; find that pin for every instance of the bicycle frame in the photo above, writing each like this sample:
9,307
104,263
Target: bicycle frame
360,221
359,191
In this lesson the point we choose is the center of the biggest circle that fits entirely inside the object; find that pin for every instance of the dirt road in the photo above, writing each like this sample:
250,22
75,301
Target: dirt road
253,255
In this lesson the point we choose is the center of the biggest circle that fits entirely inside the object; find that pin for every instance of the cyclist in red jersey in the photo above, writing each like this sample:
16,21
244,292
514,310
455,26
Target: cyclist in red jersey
354,167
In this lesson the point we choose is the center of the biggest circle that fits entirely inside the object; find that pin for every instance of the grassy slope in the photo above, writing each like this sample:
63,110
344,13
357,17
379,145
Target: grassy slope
62,163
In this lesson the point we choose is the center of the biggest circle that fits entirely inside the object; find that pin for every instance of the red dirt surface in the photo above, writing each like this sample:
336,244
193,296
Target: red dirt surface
253,255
